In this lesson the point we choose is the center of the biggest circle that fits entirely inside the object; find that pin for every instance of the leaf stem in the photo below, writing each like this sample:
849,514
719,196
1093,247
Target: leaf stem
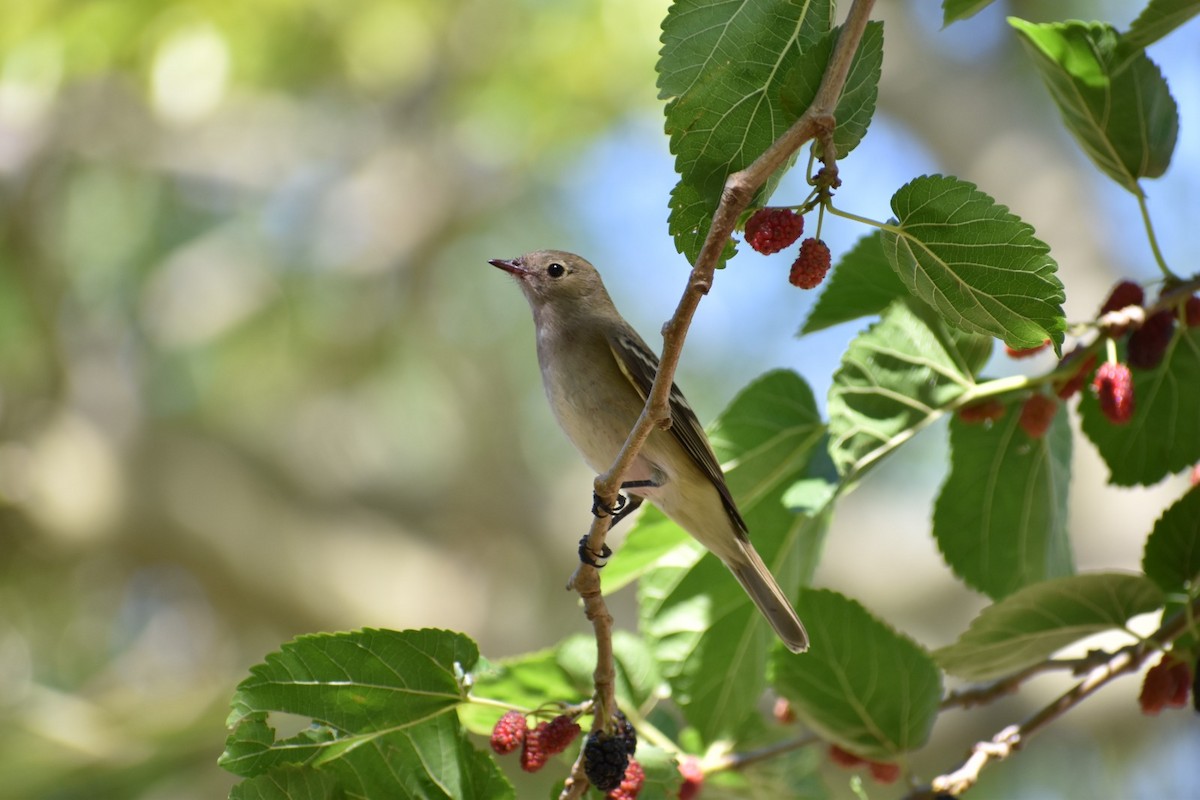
1158,256
883,226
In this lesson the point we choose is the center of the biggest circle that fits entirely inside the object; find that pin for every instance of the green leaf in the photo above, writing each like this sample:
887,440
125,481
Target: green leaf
1157,19
637,674
955,10
289,783
724,108
977,264
524,682
896,378
1030,625
863,686
652,538
1172,555
862,284
380,703
1116,105
430,760
1163,435
347,683
708,638
856,105
1000,519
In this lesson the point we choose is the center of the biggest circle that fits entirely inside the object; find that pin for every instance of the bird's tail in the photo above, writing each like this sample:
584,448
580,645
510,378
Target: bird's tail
758,582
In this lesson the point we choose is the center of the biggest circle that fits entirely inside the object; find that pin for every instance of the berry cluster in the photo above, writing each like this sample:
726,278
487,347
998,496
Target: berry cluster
605,760
882,771
608,759
1123,316
811,266
537,744
631,782
1166,685
770,230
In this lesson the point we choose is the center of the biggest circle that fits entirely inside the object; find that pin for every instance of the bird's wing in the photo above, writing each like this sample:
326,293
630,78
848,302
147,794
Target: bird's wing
639,365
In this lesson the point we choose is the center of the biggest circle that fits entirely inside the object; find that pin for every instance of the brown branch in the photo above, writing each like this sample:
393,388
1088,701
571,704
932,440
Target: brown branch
816,121
1012,738
981,695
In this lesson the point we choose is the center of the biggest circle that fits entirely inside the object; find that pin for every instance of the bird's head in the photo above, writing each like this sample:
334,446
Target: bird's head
554,279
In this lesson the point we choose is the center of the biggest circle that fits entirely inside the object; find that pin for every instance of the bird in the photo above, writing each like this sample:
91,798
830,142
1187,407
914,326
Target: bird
597,372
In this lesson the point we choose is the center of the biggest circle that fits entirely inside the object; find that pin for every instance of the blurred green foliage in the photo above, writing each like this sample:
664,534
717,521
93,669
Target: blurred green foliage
244,374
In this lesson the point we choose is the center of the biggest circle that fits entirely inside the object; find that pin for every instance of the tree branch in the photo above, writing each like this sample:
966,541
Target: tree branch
1012,738
816,121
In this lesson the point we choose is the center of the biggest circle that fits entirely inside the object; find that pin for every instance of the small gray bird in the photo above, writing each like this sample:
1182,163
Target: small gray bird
597,373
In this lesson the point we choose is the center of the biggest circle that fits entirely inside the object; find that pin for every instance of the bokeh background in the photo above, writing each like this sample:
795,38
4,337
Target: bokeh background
257,379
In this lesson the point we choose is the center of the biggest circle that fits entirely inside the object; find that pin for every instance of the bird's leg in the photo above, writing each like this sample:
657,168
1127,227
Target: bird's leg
627,508
597,560
624,506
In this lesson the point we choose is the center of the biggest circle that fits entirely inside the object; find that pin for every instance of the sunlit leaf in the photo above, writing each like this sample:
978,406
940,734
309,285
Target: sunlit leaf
856,105
896,378
1032,624
1125,119
862,685
974,262
722,69
381,705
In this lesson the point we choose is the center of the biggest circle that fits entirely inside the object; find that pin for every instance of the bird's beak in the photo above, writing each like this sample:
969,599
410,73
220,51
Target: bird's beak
513,266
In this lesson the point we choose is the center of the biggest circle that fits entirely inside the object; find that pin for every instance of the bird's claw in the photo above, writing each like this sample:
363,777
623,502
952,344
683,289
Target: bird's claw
597,560
602,509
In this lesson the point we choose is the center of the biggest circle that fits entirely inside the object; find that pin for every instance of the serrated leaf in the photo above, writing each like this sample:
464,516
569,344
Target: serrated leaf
856,105
1172,554
289,783
979,266
1117,105
708,638
955,10
1163,435
1157,19
432,760
1032,624
380,703
1000,519
896,378
863,686
721,69
351,685
862,284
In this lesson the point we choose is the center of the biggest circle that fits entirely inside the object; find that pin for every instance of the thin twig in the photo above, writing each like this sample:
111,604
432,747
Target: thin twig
736,761
981,695
1012,738
817,120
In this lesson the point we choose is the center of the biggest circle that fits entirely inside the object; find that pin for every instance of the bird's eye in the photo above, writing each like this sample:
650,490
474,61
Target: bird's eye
555,270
